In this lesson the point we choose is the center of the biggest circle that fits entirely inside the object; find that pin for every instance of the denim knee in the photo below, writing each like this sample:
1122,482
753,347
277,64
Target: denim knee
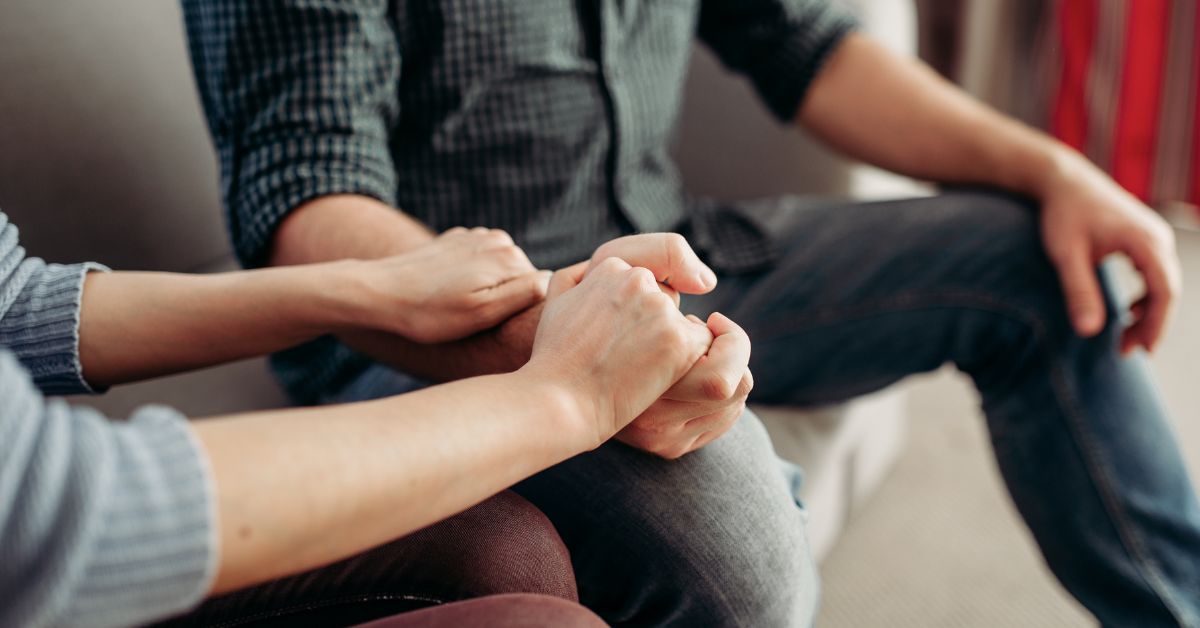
746,560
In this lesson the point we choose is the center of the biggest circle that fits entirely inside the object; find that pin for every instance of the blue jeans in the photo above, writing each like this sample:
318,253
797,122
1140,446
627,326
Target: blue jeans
863,296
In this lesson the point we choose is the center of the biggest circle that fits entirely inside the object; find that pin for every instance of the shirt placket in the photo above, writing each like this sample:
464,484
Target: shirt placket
614,76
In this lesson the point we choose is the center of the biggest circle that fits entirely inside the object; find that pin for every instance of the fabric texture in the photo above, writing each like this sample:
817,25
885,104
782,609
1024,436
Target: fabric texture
504,545
713,539
103,524
549,120
498,611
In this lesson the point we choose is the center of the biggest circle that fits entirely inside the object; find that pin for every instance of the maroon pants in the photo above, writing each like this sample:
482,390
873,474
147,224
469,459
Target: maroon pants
503,546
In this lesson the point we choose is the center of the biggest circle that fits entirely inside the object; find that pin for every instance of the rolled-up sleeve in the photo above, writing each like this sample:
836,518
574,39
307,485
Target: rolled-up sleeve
780,45
300,96
101,523
39,314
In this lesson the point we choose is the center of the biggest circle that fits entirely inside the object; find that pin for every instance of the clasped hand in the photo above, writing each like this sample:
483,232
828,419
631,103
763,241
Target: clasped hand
661,382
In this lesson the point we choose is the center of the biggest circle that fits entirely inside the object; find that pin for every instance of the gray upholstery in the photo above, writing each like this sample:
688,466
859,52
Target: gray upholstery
103,150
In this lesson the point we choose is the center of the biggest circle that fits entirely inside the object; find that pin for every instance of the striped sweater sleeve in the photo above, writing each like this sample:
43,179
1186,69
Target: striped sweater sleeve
39,314
101,523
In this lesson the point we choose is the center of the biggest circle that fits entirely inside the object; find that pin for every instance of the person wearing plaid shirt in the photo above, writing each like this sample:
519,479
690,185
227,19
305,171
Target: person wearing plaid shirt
359,128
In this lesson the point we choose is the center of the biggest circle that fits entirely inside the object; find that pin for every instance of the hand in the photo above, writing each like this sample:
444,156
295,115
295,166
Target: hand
615,341
460,283
1087,216
668,256
712,396
704,404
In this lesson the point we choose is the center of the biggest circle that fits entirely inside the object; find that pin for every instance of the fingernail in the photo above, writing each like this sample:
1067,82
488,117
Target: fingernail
1087,321
708,277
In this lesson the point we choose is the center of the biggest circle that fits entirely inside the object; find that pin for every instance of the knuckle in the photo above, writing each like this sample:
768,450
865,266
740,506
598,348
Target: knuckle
609,265
716,387
642,276
500,237
511,253
676,244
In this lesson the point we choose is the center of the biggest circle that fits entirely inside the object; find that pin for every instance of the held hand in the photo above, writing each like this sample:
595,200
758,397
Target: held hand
462,282
704,404
712,396
1087,216
667,255
615,341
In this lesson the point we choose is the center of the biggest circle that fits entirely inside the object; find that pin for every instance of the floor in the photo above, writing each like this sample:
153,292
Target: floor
940,544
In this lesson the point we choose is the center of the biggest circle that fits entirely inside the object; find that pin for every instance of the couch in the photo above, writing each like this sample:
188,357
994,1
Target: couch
104,156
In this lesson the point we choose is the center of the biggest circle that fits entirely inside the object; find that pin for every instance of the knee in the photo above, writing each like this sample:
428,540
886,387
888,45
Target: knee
764,577
1005,267
503,545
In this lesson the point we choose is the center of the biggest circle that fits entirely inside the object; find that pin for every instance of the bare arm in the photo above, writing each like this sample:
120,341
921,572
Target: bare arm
140,325
896,113
302,488
297,489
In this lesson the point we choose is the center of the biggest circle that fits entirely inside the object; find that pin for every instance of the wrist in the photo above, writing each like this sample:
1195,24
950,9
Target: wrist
346,297
1052,165
570,409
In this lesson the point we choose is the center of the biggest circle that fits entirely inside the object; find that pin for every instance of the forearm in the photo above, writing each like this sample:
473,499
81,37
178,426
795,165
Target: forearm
139,325
302,488
896,113
345,227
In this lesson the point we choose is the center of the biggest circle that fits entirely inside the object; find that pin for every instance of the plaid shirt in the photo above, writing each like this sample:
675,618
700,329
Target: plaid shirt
546,118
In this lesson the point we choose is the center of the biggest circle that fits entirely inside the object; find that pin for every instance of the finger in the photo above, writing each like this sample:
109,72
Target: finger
1129,339
566,279
516,295
667,255
701,341
725,422
1085,304
719,374
1160,274
671,292
696,434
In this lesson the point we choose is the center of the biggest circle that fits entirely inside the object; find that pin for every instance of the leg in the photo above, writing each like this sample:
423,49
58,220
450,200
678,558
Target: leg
503,545
869,294
713,539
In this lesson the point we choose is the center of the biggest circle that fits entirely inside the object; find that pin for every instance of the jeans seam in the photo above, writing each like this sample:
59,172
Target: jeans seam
325,603
1131,542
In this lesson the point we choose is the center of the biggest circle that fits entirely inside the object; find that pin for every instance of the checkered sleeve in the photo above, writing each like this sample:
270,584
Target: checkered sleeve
299,96
780,45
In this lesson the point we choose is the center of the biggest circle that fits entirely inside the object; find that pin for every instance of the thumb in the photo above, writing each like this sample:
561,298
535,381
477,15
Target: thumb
667,255
521,292
566,279
1085,303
